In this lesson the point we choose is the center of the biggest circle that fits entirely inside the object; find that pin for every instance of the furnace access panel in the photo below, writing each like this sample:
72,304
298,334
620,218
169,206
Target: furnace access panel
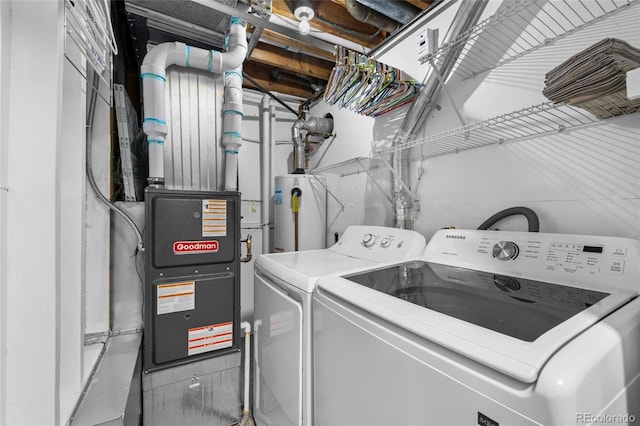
192,285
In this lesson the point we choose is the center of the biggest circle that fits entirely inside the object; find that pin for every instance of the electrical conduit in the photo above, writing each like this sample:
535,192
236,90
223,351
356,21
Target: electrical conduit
153,73
93,94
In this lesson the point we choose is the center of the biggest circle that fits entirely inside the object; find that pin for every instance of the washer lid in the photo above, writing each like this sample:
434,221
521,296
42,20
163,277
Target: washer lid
511,324
302,269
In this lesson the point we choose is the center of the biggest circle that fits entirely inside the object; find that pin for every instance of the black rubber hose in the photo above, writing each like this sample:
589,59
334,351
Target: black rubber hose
532,218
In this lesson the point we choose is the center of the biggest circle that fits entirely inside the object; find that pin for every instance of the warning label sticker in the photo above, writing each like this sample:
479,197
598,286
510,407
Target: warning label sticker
210,338
214,218
176,297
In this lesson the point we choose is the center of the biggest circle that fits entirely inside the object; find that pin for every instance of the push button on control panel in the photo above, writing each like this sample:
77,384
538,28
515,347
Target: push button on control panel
616,267
619,252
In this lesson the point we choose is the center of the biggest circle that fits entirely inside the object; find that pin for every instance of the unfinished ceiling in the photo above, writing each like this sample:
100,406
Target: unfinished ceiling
280,58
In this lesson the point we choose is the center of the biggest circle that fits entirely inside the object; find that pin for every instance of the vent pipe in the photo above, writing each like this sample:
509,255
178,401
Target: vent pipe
153,74
317,125
364,14
467,16
400,11
232,126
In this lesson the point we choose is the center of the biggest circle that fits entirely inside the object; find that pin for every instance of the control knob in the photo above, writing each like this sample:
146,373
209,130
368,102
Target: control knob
369,240
386,242
505,250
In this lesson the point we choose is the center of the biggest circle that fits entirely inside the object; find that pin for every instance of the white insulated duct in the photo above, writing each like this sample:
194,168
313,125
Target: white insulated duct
153,74
323,125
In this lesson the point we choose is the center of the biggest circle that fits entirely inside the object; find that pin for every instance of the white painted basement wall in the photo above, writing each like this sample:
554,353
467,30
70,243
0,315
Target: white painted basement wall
54,235
584,181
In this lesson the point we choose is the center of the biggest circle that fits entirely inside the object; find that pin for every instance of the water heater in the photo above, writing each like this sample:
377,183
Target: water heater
300,210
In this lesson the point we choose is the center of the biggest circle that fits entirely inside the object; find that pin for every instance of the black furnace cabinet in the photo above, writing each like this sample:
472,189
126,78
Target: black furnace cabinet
192,276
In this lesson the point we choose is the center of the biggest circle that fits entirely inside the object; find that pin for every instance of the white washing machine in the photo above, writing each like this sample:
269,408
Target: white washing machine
487,327
284,283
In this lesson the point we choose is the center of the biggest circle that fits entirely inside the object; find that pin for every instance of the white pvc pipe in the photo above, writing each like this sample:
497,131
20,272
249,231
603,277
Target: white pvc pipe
232,134
266,169
246,326
153,74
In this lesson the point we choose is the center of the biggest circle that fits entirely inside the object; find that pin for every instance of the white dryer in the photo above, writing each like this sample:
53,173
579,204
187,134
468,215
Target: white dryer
283,288
487,327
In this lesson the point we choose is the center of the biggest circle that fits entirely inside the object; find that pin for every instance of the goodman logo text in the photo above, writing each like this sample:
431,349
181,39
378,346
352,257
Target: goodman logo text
195,247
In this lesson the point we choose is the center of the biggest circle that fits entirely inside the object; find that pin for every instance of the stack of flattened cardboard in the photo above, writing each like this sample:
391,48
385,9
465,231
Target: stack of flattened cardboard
595,79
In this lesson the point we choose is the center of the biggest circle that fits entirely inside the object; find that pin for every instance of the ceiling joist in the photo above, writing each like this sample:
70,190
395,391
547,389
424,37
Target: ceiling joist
294,62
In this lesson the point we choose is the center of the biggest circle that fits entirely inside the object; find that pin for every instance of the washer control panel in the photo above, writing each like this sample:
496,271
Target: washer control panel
588,260
380,243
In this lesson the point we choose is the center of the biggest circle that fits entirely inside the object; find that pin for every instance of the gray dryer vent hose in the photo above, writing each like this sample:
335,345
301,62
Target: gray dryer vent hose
532,218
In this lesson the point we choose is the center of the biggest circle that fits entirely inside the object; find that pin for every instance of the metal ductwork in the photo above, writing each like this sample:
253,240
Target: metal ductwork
153,74
364,14
467,16
399,11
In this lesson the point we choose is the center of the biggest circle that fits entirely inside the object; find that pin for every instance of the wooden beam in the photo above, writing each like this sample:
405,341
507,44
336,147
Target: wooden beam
288,85
296,44
420,4
294,62
344,25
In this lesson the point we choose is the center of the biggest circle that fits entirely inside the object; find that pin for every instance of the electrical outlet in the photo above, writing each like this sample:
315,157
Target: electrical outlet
427,43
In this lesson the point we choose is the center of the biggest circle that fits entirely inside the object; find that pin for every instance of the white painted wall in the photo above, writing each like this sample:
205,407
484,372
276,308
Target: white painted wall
32,279
583,181
354,199
53,270
5,64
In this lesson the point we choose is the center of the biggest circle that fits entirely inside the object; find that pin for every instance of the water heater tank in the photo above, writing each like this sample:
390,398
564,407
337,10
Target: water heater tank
311,217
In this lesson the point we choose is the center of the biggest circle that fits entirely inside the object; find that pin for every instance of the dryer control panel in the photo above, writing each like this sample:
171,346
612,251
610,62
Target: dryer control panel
592,261
379,243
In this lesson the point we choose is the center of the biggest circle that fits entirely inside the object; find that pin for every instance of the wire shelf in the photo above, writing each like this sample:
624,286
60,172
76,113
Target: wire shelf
352,166
531,23
534,121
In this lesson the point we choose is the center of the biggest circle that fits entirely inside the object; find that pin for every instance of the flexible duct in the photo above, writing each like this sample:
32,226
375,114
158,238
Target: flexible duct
322,125
364,14
467,16
153,73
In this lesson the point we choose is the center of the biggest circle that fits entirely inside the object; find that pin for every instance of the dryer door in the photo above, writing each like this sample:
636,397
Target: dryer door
278,355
